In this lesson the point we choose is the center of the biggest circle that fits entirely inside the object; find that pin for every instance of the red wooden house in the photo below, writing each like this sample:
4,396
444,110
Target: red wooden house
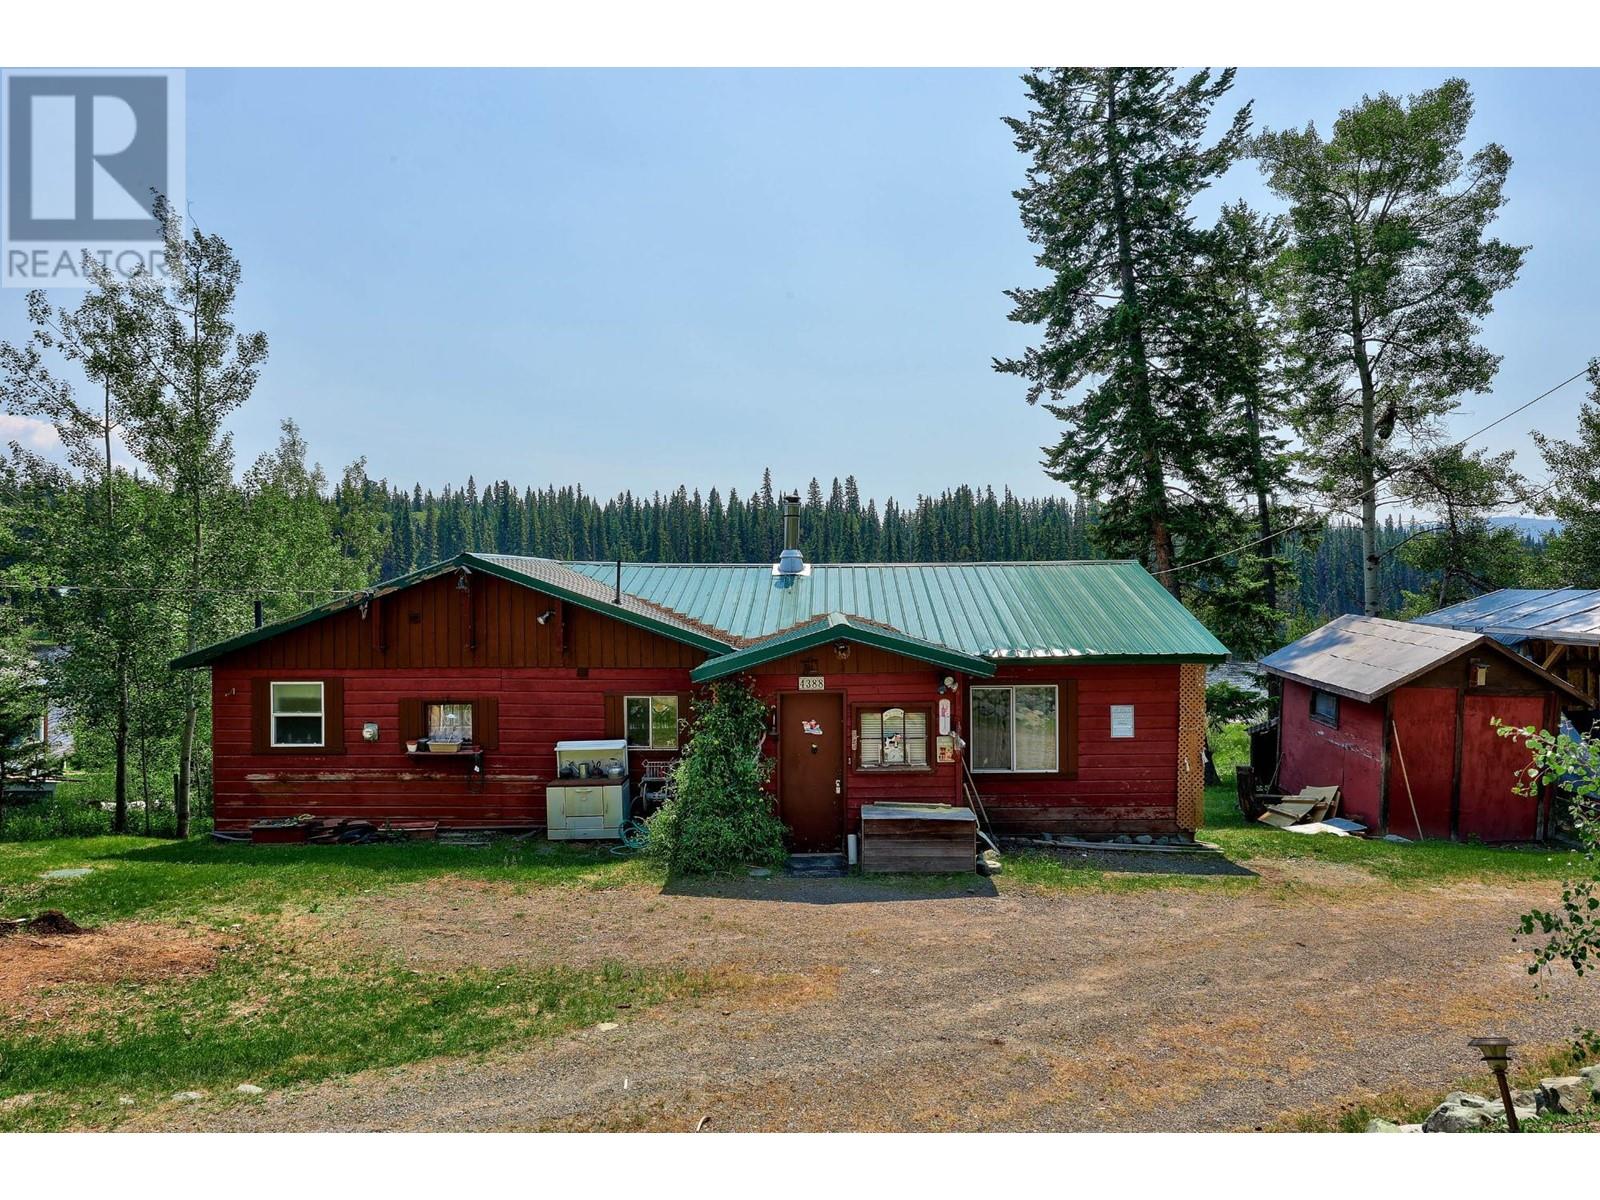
1400,717
1071,694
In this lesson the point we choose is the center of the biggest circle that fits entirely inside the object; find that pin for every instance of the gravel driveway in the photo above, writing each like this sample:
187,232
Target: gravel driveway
854,1006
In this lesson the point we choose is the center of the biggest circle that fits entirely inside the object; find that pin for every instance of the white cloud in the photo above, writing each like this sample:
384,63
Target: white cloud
30,432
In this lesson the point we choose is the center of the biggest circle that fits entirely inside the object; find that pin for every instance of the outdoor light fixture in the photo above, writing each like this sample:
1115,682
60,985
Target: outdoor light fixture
1496,1053
842,650
546,615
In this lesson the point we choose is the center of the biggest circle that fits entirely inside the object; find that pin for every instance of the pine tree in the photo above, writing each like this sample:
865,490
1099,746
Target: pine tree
1116,155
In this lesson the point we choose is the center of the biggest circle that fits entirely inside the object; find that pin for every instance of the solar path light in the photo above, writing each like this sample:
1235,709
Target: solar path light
1496,1053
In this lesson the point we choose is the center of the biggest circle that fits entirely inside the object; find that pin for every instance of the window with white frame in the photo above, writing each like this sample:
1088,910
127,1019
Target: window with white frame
1016,729
297,714
891,738
651,722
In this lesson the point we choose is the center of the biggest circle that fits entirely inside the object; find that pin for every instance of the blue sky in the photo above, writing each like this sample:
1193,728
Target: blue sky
631,279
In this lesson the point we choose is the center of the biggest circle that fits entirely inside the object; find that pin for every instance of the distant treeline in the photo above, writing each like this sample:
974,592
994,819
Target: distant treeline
962,524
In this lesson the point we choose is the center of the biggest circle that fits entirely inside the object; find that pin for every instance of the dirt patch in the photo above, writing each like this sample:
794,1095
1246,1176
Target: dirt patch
40,975
847,1004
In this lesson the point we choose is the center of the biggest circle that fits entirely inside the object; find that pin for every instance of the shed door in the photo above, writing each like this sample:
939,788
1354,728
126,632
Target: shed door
1490,810
1425,741
811,771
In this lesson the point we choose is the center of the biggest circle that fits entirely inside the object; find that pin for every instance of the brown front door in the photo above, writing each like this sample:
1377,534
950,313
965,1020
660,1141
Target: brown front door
811,771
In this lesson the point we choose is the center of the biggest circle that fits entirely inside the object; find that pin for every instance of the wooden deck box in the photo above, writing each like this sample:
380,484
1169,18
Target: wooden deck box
918,839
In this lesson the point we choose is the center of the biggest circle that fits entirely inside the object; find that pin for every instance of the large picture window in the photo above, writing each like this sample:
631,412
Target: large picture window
1016,729
891,739
651,722
297,714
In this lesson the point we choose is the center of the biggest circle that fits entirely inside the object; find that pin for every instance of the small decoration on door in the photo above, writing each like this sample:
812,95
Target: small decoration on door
811,728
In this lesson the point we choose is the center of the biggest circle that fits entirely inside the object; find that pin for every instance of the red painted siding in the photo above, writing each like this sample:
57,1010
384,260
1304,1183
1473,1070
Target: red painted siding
378,780
1122,785
551,682
1349,757
1490,809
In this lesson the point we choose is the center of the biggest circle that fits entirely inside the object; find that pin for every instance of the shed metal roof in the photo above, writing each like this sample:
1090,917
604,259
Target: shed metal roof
1104,610
1365,658
1569,615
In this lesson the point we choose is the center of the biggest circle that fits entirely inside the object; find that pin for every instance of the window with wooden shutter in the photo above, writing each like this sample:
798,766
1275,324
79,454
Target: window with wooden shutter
297,716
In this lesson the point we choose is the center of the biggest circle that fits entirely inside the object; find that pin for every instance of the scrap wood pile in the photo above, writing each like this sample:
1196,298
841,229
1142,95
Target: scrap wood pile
1314,810
348,831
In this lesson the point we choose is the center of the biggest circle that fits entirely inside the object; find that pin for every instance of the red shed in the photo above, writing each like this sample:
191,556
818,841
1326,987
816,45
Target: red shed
1400,717
1070,696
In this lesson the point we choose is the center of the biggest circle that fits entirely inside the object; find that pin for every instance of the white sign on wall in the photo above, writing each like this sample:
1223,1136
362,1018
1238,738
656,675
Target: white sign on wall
811,683
1122,720
944,716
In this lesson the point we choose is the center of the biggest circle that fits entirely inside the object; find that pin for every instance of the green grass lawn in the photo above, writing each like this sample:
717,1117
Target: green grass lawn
279,1009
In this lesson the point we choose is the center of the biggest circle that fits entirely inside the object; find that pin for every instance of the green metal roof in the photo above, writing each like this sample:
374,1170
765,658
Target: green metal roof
1104,610
1109,611
836,627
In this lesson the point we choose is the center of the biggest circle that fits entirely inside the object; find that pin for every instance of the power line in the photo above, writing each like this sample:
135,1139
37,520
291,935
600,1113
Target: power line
1344,509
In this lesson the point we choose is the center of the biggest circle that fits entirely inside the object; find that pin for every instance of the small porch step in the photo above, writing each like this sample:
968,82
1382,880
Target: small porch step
816,866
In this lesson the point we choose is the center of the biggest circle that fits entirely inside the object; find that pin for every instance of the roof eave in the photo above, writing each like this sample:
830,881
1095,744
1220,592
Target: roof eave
690,637
780,646
205,655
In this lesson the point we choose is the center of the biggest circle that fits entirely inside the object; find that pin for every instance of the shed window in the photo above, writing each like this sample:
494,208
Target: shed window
449,721
1325,707
652,722
297,712
1016,728
891,738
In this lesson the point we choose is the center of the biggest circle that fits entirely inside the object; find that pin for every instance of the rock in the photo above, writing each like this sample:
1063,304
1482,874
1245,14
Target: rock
1379,1125
1565,1094
1591,1076
1144,839
1411,1129
1122,839
759,872
126,1100
1524,1104
1461,1112
249,1089
606,1026
188,1095
989,864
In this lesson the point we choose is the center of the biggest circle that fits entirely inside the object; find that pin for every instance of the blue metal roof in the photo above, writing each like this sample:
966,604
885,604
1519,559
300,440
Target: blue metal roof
1515,614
